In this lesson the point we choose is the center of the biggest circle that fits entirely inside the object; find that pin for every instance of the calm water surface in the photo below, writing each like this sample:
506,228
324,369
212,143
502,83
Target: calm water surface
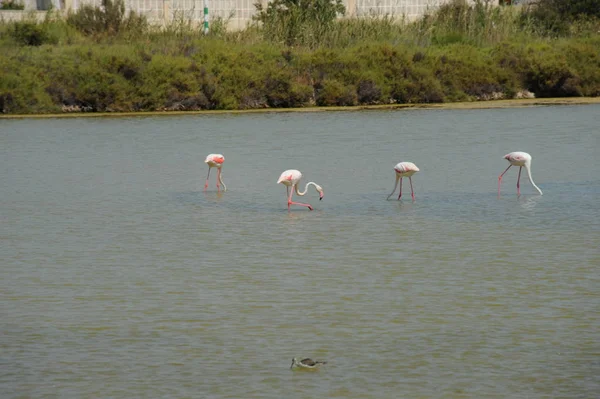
121,278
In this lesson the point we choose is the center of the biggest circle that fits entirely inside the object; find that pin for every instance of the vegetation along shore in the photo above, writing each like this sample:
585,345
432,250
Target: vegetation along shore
102,60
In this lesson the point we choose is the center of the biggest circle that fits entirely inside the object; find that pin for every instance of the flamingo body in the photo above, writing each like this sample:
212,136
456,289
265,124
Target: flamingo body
215,161
290,179
404,169
520,159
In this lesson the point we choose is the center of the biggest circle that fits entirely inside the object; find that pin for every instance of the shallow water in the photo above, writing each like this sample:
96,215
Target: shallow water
121,278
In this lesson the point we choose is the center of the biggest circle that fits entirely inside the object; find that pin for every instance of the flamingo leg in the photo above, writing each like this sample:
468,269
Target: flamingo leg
309,206
207,176
218,178
400,194
500,178
518,181
290,202
412,193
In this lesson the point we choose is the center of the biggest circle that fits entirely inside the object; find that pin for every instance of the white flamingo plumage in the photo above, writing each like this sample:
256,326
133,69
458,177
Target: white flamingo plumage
290,179
520,159
215,161
404,169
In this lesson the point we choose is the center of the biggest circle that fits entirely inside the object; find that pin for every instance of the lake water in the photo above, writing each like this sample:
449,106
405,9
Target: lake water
121,278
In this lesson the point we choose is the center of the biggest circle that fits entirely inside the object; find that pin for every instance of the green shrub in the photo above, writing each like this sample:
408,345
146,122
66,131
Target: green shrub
110,19
29,33
570,9
584,58
21,91
461,53
417,88
332,92
368,92
298,21
548,74
12,5
282,90
555,17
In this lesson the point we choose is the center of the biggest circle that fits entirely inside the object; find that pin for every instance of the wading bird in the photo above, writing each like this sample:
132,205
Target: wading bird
215,161
306,363
404,169
290,179
520,159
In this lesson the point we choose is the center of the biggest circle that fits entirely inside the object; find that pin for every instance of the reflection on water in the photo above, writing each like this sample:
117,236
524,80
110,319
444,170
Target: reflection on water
528,202
215,197
122,278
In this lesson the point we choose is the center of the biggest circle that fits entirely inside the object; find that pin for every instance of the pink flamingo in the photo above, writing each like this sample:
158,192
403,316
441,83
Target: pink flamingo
215,161
520,159
291,178
404,169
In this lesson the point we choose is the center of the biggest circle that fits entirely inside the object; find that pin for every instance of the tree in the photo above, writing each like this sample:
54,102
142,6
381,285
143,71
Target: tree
290,20
570,9
556,16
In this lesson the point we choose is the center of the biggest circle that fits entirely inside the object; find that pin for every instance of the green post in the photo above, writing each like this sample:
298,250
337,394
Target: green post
205,17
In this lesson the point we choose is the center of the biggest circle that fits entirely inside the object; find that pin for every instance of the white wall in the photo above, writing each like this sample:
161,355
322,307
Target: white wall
238,13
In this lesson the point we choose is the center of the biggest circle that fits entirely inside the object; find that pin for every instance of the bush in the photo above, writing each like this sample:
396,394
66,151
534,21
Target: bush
584,59
21,90
110,19
332,92
298,21
554,17
571,9
549,75
368,92
30,33
475,54
282,90
419,88
12,5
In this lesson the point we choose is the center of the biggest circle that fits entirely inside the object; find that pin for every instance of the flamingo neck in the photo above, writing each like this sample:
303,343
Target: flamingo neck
528,169
305,188
221,180
395,185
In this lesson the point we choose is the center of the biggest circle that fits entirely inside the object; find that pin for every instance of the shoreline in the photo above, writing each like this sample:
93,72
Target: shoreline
492,104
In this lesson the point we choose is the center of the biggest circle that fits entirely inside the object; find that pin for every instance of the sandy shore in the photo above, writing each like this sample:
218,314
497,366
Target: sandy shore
534,102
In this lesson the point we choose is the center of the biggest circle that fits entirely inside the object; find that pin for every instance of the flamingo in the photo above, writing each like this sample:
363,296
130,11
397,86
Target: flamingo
291,178
215,161
404,169
306,363
520,159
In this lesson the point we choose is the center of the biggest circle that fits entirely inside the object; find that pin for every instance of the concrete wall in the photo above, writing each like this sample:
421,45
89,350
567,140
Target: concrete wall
238,13
40,5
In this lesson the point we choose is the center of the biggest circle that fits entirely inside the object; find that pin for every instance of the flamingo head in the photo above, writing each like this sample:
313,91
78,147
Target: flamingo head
320,190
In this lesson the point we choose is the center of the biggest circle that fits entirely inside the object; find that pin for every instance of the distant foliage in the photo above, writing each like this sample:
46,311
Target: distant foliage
571,9
11,5
110,19
30,33
298,21
555,17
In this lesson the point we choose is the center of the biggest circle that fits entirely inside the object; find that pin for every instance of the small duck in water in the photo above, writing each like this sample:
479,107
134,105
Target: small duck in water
306,363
